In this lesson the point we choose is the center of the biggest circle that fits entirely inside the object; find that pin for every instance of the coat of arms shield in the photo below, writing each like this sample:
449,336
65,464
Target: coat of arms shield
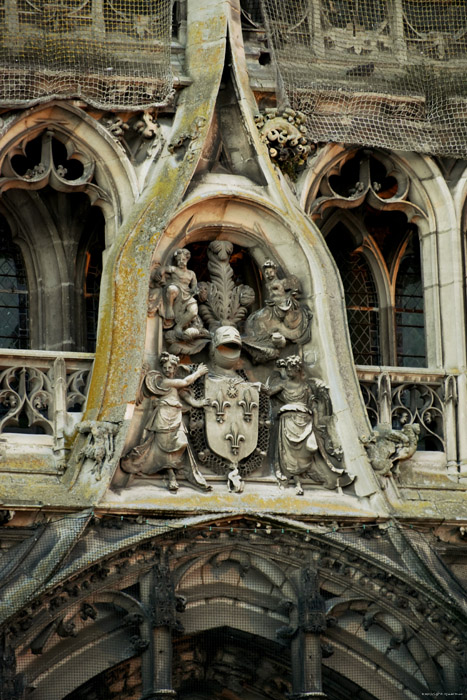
232,418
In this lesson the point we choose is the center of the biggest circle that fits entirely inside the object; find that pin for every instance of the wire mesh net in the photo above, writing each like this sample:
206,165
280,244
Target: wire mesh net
87,628
387,73
113,54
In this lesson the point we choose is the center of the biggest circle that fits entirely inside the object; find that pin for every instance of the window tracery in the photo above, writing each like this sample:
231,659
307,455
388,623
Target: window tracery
48,185
364,211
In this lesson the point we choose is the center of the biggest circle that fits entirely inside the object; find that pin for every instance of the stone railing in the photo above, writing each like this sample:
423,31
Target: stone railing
400,397
42,393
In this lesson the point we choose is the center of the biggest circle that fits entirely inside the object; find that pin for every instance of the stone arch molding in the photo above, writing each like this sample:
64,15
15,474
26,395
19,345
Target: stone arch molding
383,624
254,225
115,188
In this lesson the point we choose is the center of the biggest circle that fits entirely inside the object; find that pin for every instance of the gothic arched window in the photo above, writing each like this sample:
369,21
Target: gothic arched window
14,306
361,297
409,307
366,220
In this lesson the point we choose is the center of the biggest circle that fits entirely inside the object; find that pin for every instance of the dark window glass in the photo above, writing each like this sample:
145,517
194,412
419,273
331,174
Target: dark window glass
361,299
92,283
14,307
409,308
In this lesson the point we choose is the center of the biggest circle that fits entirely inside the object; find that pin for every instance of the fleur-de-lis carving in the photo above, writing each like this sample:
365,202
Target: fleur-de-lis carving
247,405
220,407
235,438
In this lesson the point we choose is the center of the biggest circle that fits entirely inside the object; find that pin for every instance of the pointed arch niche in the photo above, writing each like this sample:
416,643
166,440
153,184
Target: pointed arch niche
363,208
64,183
259,232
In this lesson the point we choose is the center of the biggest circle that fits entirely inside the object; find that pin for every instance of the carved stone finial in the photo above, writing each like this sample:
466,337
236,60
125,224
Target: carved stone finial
387,447
285,135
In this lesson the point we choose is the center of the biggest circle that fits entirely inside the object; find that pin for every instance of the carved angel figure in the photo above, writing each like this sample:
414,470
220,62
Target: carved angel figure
166,442
297,439
283,319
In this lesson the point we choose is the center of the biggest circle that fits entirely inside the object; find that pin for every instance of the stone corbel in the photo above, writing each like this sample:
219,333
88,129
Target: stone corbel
387,447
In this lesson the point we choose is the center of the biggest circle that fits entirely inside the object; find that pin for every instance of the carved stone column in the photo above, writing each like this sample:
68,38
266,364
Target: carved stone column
158,594
306,643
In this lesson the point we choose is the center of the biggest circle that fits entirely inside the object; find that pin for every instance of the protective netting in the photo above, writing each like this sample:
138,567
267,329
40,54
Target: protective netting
113,54
388,73
93,596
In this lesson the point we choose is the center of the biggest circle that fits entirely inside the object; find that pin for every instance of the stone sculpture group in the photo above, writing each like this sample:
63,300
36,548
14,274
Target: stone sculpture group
252,397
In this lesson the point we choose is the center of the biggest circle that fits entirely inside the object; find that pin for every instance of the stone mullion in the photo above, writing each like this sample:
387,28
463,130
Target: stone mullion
158,596
306,644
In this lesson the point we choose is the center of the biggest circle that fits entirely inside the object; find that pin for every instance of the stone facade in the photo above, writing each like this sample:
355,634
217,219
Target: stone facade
220,499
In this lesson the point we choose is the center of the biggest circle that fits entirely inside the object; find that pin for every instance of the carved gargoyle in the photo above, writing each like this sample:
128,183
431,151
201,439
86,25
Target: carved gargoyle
99,446
386,447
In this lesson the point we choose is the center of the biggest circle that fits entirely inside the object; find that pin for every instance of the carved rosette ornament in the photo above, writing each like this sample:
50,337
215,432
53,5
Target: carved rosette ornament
285,135
218,416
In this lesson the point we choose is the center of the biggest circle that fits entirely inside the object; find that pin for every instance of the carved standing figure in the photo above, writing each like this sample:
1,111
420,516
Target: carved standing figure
166,440
297,441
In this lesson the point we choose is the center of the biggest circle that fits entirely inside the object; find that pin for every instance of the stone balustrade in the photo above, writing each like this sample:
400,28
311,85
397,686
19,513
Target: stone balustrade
42,394
401,397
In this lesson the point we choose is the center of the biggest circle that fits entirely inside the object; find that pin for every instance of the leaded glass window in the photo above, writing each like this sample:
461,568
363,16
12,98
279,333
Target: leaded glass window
409,308
361,298
92,283
14,307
